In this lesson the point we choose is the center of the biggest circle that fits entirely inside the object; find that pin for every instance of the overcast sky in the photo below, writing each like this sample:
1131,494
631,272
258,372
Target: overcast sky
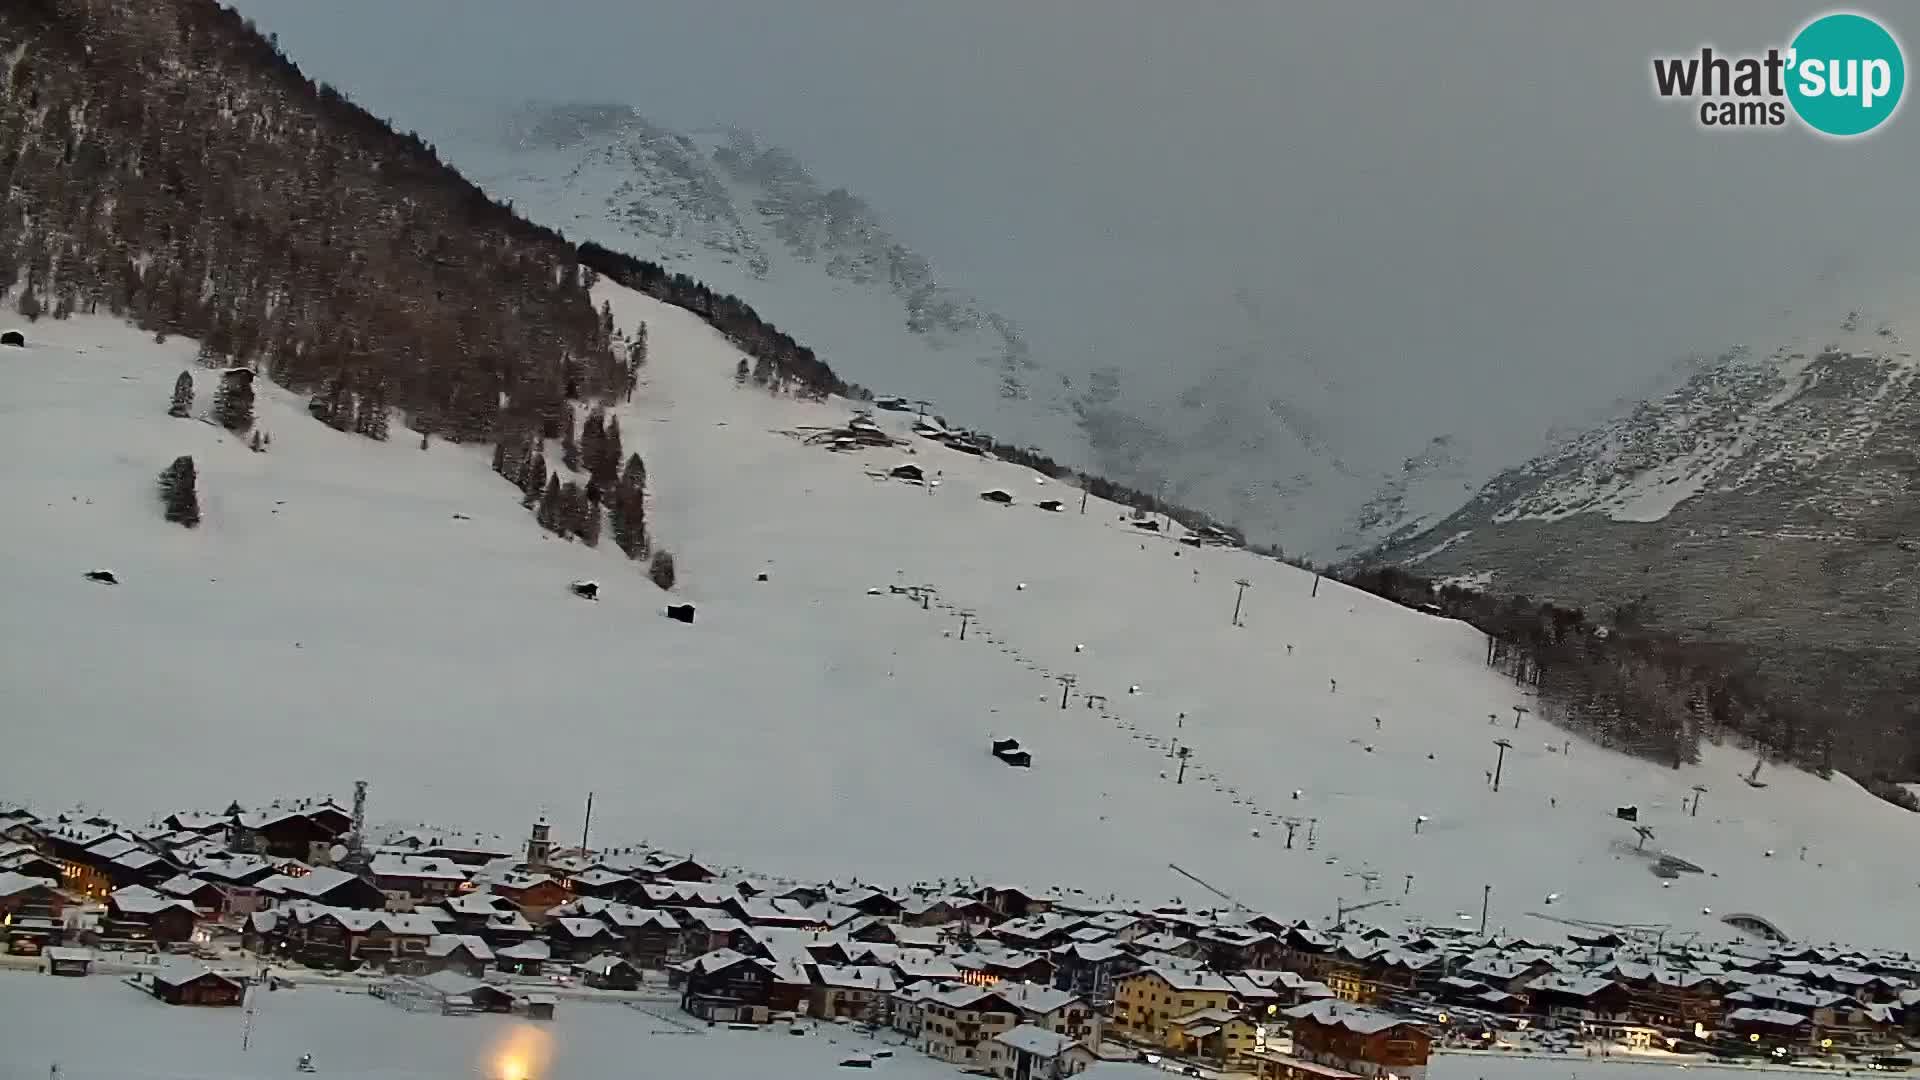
1473,217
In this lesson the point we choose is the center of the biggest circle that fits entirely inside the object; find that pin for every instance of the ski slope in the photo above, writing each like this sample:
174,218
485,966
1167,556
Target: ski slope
351,609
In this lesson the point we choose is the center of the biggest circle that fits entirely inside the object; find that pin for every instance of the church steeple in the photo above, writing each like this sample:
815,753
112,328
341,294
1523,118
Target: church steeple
539,844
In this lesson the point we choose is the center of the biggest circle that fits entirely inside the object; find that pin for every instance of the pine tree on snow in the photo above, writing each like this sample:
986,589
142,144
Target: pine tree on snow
179,493
592,440
233,401
569,446
500,457
533,479
182,396
549,513
588,526
606,468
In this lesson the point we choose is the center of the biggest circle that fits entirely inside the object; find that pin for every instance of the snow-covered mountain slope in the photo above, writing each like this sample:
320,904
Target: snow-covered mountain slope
1244,423
354,609
1767,502
751,220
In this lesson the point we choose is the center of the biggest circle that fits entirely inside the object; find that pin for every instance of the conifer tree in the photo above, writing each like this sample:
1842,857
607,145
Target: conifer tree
592,441
533,480
550,512
569,446
233,401
182,405
500,456
607,472
179,492
662,570
589,522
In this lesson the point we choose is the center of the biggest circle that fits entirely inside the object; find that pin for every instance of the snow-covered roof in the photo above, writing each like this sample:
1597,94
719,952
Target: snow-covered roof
12,883
1029,1039
447,944
423,867
603,964
857,978
1771,1017
181,970
528,950
1355,1018
1036,999
140,900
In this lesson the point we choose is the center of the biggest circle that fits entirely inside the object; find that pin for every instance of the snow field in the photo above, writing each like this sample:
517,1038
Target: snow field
333,619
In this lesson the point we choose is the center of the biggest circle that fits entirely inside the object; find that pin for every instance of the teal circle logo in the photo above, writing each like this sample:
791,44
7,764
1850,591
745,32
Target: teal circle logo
1846,76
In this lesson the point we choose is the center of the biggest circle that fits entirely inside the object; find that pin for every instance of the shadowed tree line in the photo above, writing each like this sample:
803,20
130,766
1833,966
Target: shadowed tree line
1650,693
162,162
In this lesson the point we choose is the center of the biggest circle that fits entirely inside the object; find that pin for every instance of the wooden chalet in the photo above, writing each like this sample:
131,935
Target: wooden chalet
181,981
576,939
1359,1039
609,972
462,954
725,987
137,915
32,913
68,961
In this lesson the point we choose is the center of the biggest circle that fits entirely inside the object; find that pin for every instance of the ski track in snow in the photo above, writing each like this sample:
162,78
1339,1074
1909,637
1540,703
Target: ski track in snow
332,619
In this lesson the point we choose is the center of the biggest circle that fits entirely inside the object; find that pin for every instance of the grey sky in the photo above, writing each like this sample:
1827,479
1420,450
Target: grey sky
1474,218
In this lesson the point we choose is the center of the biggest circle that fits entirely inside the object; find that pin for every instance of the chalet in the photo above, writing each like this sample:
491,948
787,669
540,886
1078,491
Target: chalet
540,1006
1027,1052
1274,1065
1090,970
462,954
1770,1028
663,867
66,961
1216,1035
1508,974
1360,1040
646,936
453,993
574,939
1050,1009
959,1022
205,896
534,894
526,958
474,912
609,972
139,915
857,993
322,885
1582,999
703,932
870,902
27,861
725,987
1038,931
1014,902
1234,948
1146,1002
1668,999
181,981
344,939
989,966
31,913
408,880
1283,989
944,911
603,884
304,833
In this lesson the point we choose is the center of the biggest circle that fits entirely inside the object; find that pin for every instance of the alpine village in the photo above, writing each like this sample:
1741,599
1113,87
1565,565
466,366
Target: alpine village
997,979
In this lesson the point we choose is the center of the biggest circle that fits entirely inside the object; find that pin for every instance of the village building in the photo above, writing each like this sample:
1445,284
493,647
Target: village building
62,960
180,981
1027,1052
462,954
1146,1002
138,916
410,880
856,993
529,957
1360,1040
32,912
323,885
725,987
609,972
206,897
345,939
959,1022
574,939
1090,970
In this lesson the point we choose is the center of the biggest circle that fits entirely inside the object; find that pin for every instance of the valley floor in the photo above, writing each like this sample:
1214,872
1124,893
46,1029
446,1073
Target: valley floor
50,1022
